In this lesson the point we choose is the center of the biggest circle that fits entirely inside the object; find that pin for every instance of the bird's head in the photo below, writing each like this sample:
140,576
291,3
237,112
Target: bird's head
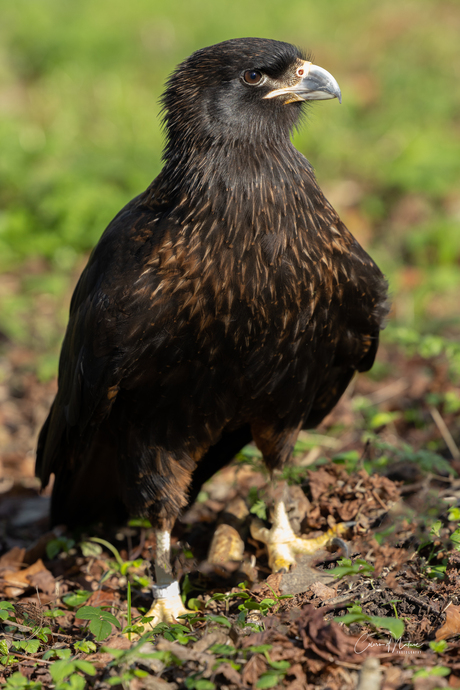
242,90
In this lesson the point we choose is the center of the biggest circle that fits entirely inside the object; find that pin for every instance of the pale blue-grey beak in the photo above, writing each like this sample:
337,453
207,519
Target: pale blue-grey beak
315,84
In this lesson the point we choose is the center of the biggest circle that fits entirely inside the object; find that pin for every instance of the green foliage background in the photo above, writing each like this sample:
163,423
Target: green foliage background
80,134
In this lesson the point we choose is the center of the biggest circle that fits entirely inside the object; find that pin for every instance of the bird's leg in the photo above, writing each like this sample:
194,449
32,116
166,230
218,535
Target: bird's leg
283,544
167,603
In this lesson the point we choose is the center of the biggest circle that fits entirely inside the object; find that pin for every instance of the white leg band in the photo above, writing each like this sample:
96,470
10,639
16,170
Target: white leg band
170,591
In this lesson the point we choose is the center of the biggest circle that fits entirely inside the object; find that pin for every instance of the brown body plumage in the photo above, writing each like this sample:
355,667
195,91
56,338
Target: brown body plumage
228,302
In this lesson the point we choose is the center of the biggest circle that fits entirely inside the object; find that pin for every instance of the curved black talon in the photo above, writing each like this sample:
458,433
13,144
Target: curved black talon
342,545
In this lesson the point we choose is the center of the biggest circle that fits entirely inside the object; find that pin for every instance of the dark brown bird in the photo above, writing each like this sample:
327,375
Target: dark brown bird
226,303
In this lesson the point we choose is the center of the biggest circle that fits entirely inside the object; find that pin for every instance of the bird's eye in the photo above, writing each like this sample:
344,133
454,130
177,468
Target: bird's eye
252,76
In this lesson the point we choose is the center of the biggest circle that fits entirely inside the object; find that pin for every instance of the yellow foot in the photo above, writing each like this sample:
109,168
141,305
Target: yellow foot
283,544
167,604
166,608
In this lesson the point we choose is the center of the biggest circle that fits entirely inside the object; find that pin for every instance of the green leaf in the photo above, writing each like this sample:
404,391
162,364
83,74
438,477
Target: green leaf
107,616
61,669
219,619
346,567
259,509
454,515
195,604
55,546
55,613
439,646
85,646
4,647
250,605
17,681
90,549
75,682
140,522
278,665
76,598
95,613
455,539
116,653
436,671
63,653
383,419
436,528
100,629
9,607
267,602
89,612
261,648
32,646
6,610
42,633
195,683
85,667
8,660
394,625
268,680
350,618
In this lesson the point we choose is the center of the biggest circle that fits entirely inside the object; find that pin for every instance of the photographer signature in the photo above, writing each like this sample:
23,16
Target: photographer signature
392,646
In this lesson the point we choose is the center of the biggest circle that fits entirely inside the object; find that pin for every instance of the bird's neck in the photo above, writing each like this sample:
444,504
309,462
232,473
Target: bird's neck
243,196
254,175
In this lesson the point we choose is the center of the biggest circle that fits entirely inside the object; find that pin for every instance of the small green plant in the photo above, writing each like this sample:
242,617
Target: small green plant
119,565
76,599
250,455
350,459
65,672
85,646
127,676
433,566
438,646
275,674
427,460
125,658
436,671
294,474
258,506
6,611
19,682
54,613
59,545
346,568
427,346
6,658
28,646
355,615
101,621
197,682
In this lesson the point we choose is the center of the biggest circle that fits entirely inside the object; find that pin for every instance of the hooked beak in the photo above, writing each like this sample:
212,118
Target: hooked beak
315,84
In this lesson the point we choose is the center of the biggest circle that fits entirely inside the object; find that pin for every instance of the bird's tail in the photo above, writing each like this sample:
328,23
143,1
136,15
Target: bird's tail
86,481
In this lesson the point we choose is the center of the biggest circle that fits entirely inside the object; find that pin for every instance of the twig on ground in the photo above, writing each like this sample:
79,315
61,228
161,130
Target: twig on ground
445,433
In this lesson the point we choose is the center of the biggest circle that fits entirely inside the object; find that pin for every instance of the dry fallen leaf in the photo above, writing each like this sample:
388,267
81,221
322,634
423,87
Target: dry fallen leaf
16,581
322,591
12,559
452,625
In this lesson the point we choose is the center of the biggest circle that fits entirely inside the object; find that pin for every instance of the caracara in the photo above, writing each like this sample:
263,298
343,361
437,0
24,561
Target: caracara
227,303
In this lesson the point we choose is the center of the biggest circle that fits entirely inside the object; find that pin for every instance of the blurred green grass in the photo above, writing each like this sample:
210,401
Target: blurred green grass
80,135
